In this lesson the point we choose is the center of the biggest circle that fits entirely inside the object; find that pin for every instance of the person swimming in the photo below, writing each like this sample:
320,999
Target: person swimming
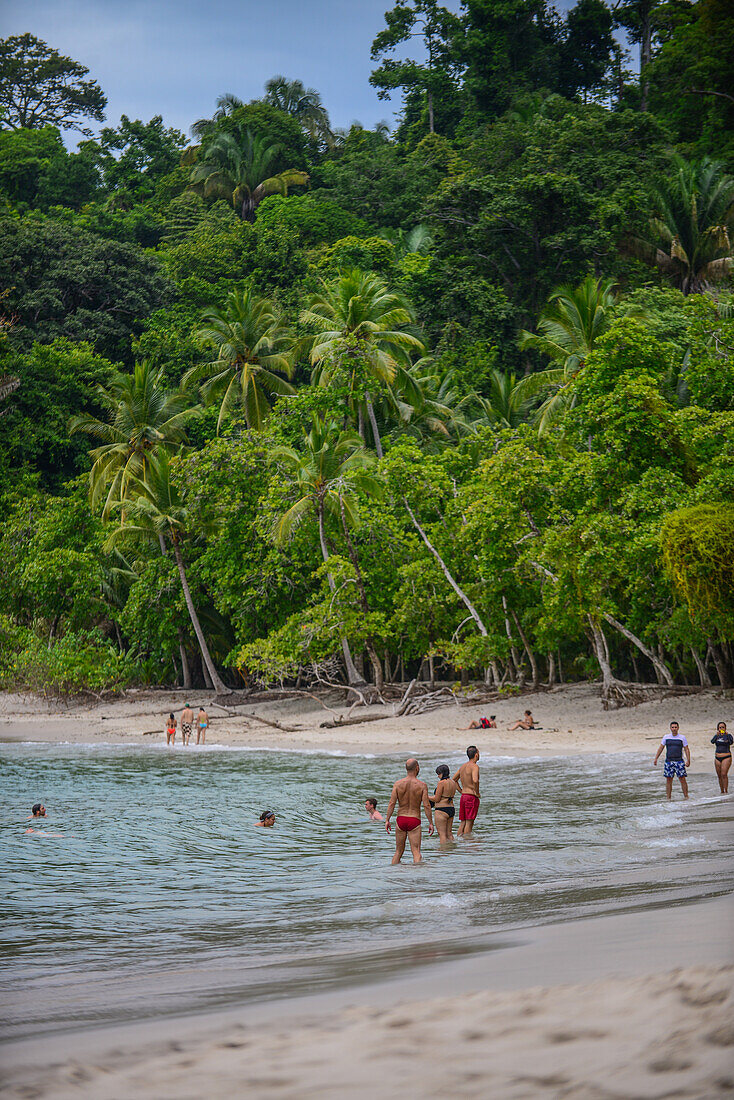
267,820
370,805
444,804
38,809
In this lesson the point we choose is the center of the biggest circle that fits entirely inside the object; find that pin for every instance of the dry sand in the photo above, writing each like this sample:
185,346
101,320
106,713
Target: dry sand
636,1023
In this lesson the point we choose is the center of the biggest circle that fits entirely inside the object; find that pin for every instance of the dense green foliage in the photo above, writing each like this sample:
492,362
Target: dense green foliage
291,405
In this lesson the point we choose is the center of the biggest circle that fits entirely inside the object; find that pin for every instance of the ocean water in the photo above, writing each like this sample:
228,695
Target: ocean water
153,891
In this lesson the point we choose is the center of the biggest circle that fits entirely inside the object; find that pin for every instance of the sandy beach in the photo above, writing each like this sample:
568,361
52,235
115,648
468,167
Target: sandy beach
636,1004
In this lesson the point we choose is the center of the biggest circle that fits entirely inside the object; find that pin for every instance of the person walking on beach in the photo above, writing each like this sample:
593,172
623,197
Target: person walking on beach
410,794
722,755
467,781
444,805
676,747
202,723
187,721
171,729
370,805
527,722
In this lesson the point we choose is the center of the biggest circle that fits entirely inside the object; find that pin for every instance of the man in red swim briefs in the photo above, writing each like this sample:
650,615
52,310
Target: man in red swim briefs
410,794
467,780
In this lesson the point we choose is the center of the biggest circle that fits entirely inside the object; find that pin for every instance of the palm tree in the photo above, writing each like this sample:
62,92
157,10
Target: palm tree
419,239
424,401
144,417
506,405
572,320
237,168
329,474
227,104
156,512
358,317
251,343
691,232
303,104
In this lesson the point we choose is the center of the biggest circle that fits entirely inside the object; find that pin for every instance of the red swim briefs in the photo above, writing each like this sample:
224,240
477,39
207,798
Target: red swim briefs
468,807
407,824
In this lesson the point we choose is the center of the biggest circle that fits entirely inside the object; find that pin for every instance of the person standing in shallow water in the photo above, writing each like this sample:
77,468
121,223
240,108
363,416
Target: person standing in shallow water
171,729
202,724
444,805
676,747
722,742
410,794
467,781
187,721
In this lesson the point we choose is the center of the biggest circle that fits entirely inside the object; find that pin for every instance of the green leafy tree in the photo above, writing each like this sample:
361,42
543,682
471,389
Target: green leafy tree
236,168
144,417
253,346
436,27
330,474
41,87
136,154
358,315
690,237
156,511
303,104
588,51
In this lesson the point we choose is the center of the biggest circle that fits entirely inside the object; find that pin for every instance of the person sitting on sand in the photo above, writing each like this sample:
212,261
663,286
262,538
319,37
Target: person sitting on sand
370,806
267,820
467,781
482,723
676,747
38,810
722,755
202,723
187,721
443,808
171,729
527,722
410,794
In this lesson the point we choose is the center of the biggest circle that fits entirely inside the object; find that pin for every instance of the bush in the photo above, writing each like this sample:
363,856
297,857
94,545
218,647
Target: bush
76,662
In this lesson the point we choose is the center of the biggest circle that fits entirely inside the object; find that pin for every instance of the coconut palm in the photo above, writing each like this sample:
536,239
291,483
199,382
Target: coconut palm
506,405
691,232
303,104
227,104
252,345
359,320
145,416
424,401
237,168
572,320
156,512
419,239
329,475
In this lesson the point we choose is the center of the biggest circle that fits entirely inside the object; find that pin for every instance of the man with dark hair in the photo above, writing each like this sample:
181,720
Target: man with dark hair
187,721
676,747
410,794
370,805
39,810
467,780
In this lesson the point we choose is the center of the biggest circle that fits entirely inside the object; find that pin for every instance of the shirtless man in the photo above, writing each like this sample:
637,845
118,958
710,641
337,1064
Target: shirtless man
410,794
187,721
202,722
370,805
467,780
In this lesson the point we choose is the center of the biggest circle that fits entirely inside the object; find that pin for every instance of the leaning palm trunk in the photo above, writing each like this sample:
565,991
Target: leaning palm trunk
353,677
663,673
219,687
373,423
369,642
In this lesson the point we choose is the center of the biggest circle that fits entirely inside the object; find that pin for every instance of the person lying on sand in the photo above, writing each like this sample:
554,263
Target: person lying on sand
467,781
527,722
370,806
410,794
267,820
482,723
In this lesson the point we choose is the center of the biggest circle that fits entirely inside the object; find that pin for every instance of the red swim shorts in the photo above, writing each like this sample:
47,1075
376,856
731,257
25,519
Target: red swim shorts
407,824
468,807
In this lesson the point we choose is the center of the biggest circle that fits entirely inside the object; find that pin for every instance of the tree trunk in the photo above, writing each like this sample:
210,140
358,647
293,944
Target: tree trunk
723,669
703,676
445,570
360,422
645,55
185,667
431,670
430,112
614,693
551,669
373,422
207,677
353,677
660,669
219,686
531,655
519,672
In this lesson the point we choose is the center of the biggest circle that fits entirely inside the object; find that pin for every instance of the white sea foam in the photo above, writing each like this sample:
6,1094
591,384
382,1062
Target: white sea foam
674,842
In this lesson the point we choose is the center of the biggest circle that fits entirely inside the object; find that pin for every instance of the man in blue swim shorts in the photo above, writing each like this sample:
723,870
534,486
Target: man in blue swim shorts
676,747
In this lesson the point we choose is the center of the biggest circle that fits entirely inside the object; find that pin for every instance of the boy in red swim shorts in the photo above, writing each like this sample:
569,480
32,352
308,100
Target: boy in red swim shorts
467,780
410,794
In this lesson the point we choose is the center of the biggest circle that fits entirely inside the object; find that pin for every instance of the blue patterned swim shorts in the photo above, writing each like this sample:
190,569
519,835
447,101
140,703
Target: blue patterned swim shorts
672,768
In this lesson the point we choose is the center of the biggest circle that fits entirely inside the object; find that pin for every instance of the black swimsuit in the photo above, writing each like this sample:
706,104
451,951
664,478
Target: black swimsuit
448,810
723,743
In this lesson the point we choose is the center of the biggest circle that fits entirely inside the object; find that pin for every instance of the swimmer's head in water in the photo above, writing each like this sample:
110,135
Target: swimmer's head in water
472,751
39,810
370,803
442,771
267,817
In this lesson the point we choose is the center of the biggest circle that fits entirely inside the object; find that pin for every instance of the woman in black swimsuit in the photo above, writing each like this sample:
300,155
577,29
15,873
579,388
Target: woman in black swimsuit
444,805
722,755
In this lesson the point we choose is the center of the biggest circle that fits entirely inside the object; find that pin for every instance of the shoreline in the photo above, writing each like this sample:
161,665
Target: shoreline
589,992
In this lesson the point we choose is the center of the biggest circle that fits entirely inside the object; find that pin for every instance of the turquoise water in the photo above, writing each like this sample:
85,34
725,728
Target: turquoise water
160,895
